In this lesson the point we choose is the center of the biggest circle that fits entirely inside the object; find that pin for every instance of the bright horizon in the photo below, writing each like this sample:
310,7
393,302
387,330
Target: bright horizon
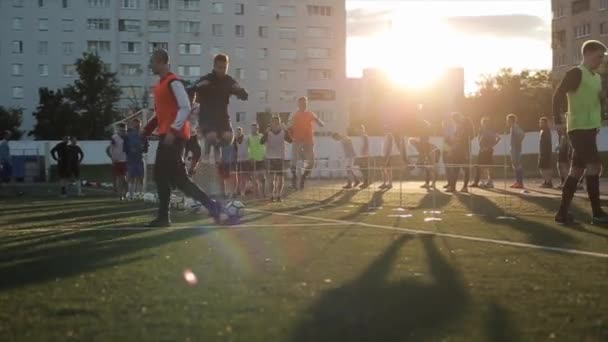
480,36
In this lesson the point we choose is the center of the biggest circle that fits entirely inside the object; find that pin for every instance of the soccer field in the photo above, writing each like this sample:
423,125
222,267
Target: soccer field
324,265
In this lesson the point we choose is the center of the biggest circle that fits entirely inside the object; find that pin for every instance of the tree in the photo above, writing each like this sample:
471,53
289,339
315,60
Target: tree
55,116
10,119
94,95
527,94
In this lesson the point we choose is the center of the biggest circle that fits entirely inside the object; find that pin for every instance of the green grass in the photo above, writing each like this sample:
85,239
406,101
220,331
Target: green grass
75,269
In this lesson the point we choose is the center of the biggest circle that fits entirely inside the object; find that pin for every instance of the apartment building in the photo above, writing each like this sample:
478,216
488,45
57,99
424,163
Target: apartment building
573,23
279,49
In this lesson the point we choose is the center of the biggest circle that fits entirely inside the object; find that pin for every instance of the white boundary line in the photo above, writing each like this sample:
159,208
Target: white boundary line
448,235
212,226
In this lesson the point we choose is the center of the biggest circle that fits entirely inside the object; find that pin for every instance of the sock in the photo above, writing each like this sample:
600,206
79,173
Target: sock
427,176
593,190
567,194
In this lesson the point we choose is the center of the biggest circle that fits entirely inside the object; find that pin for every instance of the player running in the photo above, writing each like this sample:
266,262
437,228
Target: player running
581,89
302,132
172,111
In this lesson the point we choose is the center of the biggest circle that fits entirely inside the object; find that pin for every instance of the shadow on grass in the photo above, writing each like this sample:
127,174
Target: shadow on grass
374,203
434,199
82,252
537,233
371,308
498,326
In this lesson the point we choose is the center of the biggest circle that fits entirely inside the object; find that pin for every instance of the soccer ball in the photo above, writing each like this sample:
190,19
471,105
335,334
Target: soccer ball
235,209
178,203
149,197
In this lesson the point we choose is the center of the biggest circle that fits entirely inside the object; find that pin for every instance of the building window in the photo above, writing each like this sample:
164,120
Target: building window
17,24
43,48
129,4
132,92
41,3
263,74
130,47
320,74
287,33
69,70
263,53
96,46
262,10
189,26
603,5
67,25
583,30
239,30
99,3
559,39
559,12
189,70
217,30
239,52
218,8
288,54
559,60
263,95
43,24
67,47
17,92
241,116
288,95
240,9
321,95
158,26
604,28
130,70
315,10
17,69
17,3
158,5
17,46
287,74
319,53
318,32
65,3
98,24
189,5
43,70
263,31
325,115
189,49
286,11
239,73
157,46
129,25
580,6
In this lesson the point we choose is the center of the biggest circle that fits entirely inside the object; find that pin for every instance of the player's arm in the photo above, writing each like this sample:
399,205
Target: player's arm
151,126
80,154
195,147
145,144
108,152
264,137
183,106
569,83
238,91
288,137
201,87
318,121
54,153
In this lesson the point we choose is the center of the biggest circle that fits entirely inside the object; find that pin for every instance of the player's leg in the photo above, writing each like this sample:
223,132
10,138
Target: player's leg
577,169
296,151
281,182
593,169
162,174
309,162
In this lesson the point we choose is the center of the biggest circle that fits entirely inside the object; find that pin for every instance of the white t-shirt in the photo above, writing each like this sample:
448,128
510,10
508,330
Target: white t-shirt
275,144
242,149
117,149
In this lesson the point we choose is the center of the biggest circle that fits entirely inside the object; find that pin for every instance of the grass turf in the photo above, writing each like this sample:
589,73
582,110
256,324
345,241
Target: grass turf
77,269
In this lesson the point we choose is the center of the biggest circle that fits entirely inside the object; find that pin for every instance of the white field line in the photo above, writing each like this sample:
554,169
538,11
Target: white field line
447,235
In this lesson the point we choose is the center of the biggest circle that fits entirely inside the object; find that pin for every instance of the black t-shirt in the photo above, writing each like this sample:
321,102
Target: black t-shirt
214,97
545,143
74,154
60,152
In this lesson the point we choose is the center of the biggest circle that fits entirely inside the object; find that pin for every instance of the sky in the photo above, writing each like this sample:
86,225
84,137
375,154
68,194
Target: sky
416,40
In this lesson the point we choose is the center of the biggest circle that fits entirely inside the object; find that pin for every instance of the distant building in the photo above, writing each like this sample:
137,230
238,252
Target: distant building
279,50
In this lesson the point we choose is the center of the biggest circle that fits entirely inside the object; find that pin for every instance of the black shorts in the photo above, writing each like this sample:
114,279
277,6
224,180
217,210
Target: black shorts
485,157
217,126
584,147
75,171
275,165
258,165
545,162
244,166
63,170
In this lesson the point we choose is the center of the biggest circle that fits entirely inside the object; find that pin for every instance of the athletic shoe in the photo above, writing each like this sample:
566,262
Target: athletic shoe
488,185
580,187
517,185
445,186
600,220
564,219
450,189
475,185
559,186
465,189
271,198
389,186
302,181
160,223
347,186
383,186
279,199
365,185
424,186
546,186
357,182
215,211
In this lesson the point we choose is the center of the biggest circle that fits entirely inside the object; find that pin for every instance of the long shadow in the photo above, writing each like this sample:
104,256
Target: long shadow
26,209
114,209
537,233
89,252
376,201
371,308
498,326
434,199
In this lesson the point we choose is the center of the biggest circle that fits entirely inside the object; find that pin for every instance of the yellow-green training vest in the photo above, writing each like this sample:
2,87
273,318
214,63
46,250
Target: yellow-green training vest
584,105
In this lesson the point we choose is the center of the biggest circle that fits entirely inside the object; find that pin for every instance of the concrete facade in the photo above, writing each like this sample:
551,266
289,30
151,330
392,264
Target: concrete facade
279,49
